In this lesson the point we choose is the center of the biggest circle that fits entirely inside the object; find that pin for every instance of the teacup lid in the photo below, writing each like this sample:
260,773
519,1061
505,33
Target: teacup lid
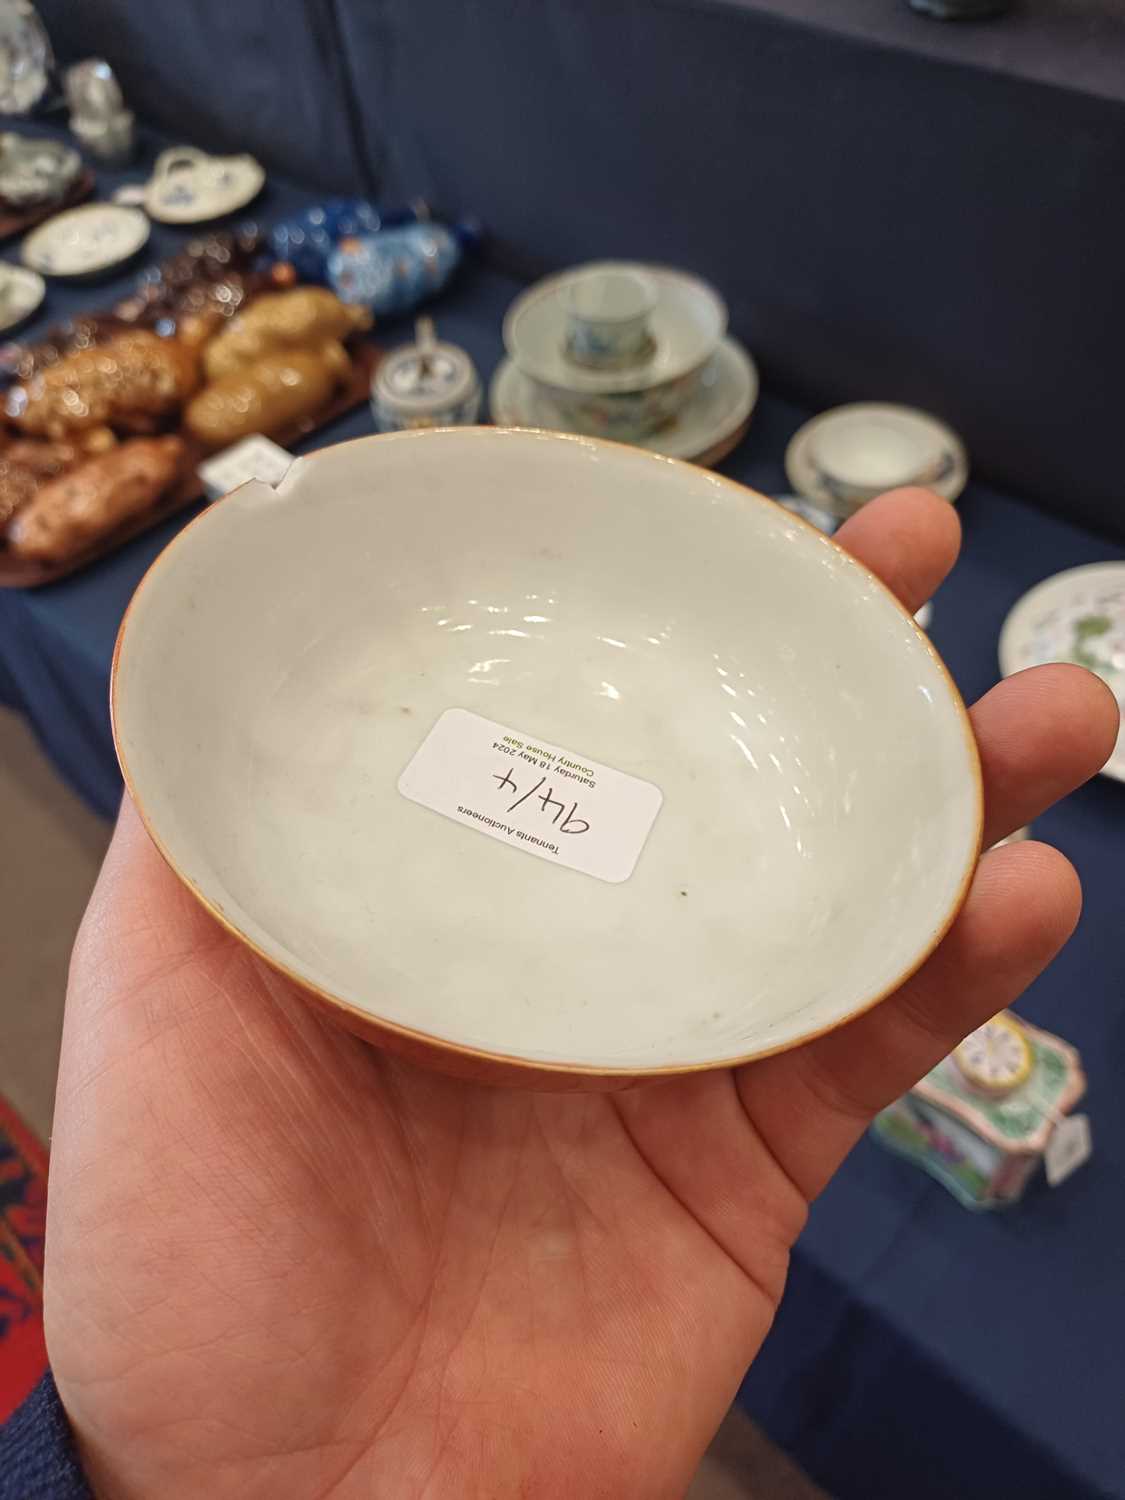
687,324
848,455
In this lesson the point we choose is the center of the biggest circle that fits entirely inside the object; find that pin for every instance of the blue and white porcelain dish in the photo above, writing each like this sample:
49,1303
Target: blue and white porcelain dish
87,241
189,187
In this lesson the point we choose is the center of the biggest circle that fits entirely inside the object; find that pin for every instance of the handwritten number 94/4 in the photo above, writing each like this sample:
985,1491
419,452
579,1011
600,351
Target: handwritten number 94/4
569,824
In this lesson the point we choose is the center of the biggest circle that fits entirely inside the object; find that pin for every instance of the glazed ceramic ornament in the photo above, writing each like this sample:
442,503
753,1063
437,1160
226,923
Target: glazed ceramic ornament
983,1120
98,116
395,270
309,238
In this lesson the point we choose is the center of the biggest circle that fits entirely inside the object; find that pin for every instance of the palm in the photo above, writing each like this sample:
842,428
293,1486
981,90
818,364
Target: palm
281,1262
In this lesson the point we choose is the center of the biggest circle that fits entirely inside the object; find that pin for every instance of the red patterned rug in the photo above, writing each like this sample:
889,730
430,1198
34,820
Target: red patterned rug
23,1213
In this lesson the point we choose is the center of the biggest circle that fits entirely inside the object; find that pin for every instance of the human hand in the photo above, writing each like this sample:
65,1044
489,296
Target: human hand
281,1263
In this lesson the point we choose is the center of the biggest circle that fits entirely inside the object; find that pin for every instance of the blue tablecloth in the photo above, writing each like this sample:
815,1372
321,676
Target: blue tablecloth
921,1351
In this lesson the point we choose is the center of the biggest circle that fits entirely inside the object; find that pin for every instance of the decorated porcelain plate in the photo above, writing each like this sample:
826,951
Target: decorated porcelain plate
35,169
21,292
189,187
86,241
686,324
847,456
704,431
525,755
1076,616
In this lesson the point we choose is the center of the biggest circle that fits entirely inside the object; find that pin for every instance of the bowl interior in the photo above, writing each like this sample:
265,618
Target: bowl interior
611,296
290,653
875,451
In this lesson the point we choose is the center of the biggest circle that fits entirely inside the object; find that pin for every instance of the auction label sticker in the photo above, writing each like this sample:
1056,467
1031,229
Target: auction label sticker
549,802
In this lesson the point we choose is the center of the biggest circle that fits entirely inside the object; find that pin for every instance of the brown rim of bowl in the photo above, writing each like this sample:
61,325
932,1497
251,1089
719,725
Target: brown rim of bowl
458,1057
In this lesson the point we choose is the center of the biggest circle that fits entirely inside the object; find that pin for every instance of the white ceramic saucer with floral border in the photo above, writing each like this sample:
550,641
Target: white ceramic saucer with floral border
1075,616
705,430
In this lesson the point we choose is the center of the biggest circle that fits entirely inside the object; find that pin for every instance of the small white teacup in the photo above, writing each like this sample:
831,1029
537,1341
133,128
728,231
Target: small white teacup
608,313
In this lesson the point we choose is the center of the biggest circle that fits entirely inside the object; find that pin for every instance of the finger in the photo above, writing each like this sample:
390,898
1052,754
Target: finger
1040,734
811,1105
909,538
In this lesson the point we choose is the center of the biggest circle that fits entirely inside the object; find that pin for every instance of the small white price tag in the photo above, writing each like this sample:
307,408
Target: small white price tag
1070,1145
255,457
553,803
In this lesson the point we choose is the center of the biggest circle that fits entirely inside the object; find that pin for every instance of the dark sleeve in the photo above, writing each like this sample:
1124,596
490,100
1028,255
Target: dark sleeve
37,1456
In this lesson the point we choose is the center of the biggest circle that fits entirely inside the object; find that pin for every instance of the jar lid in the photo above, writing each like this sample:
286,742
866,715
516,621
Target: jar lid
997,1057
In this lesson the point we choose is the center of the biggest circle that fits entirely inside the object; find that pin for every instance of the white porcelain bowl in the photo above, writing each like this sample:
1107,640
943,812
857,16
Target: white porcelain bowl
779,782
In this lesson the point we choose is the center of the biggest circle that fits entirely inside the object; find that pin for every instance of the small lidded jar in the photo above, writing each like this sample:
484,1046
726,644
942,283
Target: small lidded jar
425,384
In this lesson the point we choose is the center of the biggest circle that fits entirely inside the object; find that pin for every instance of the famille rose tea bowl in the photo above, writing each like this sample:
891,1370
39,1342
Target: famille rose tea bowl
545,760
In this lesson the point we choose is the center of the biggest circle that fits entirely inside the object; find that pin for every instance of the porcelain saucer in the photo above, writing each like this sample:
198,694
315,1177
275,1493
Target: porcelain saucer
21,292
845,457
1076,616
189,187
705,430
86,241
687,322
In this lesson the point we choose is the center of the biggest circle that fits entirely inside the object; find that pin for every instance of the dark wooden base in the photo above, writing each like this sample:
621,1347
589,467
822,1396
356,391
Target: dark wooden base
20,573
15,221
